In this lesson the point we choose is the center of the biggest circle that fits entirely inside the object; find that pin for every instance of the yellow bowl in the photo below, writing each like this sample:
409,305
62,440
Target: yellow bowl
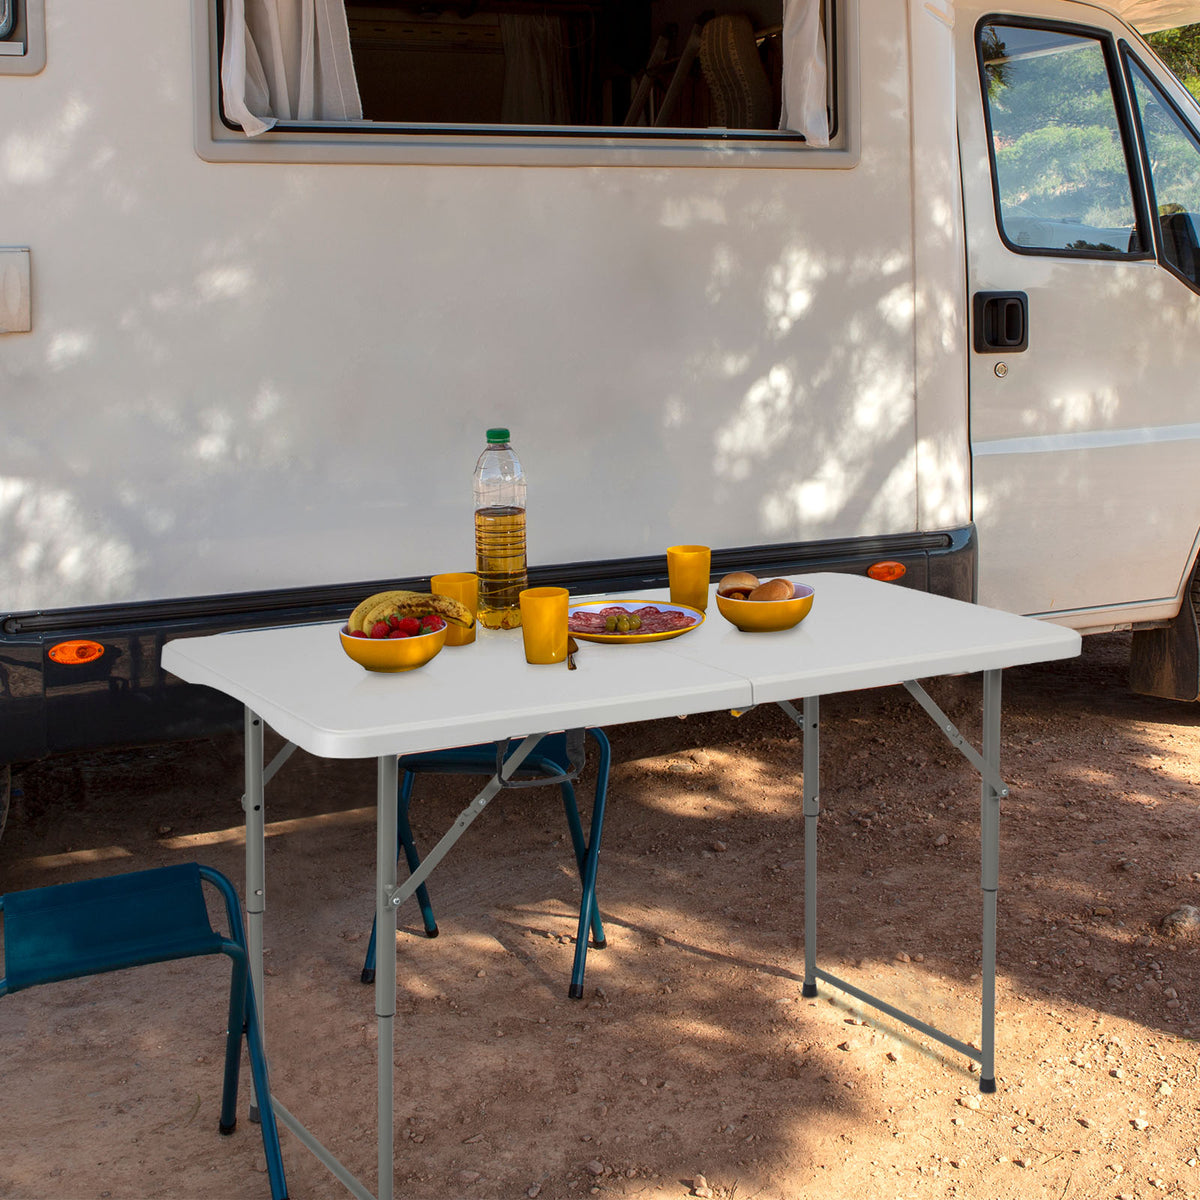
393,654
767,616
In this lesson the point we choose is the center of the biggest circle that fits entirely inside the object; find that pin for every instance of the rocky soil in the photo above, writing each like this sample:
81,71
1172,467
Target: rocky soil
693,1065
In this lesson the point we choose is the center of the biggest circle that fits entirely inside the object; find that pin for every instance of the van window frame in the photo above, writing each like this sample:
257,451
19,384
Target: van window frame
219,140
23,44
1128,55
1125,125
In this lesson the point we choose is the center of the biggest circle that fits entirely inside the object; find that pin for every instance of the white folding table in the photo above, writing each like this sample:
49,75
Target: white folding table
860,634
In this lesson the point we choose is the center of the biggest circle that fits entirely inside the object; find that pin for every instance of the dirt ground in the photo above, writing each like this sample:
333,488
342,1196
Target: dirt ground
692,1066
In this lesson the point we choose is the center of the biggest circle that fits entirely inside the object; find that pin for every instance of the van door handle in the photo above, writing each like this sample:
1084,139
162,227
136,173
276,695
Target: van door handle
1001,322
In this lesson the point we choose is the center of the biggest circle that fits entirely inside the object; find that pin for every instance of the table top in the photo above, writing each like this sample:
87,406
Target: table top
860,634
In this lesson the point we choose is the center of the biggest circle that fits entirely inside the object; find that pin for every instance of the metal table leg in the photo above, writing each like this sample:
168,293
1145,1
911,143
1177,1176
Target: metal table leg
993,791
385,972
252,801
990,873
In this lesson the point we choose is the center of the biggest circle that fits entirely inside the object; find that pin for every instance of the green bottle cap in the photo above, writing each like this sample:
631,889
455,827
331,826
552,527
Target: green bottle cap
497,435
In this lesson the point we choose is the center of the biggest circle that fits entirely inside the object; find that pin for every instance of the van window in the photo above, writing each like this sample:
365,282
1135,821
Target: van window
1173,163
6,17
632,68
1059,160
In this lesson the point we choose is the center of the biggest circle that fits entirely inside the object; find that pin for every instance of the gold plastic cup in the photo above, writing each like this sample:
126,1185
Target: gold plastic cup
688,568
463,587
544,624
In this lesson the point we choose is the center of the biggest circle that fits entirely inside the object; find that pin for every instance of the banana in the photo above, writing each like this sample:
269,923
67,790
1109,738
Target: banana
408,604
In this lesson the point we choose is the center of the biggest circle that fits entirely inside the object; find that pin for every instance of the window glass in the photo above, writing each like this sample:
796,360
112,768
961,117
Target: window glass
1173,157
635,67
6,17
1060,165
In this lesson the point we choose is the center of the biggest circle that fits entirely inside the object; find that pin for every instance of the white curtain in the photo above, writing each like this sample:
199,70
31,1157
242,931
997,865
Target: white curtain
804,107
287,60
535,70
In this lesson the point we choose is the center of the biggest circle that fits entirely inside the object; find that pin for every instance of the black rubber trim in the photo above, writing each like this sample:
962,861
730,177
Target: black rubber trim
329,602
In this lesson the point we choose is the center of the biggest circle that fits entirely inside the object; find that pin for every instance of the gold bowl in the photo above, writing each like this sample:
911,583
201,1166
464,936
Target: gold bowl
767,616
393,654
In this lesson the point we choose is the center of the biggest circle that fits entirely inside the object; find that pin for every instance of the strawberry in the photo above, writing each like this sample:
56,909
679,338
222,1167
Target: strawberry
432,623
410,626
380,629
394,620
397,633
358,633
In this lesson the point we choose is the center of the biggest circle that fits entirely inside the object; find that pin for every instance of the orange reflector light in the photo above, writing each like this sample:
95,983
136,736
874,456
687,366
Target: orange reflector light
888,572
71,654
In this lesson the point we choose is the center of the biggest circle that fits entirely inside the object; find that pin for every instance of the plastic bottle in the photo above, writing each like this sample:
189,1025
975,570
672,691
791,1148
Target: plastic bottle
500,533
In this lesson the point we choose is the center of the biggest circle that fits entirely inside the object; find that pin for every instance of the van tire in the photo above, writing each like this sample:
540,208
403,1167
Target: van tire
1166,662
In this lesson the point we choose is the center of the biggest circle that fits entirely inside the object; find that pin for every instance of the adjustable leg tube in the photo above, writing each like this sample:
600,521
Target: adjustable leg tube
385,970
811,724
990,875
256,864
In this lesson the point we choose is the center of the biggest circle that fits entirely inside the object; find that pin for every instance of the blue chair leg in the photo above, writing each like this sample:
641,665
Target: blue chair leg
404,832
404,839
588,908
233,1045
243,1022
571,808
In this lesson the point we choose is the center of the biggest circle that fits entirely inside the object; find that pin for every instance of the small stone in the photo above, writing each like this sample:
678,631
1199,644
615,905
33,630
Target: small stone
1140,1123
163,830
1183,921
595,1168
1165,1089
1022,1162
941,840
700,1187
971,1102
468,1176
718,847
534,1189
843,1045
1117,1073
1085,1122
1102,910
902,957
891,1056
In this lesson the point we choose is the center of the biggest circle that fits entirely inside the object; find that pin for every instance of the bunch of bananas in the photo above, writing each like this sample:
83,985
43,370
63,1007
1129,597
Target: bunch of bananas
407,604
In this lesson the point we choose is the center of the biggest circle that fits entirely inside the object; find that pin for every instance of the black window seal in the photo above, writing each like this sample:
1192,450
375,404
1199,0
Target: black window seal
1128,55
668,134
1124,124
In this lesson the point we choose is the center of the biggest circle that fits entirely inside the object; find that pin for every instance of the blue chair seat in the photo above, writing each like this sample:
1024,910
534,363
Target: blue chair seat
550,762
72,930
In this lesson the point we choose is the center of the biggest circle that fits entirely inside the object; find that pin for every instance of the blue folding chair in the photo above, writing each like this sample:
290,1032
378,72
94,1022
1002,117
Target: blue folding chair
70,930
556,759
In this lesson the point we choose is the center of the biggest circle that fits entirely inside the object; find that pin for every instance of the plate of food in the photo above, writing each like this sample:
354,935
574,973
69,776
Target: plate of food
620,621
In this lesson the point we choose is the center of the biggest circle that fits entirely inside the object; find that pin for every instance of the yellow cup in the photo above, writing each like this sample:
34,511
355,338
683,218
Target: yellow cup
688,568
544,624
462,587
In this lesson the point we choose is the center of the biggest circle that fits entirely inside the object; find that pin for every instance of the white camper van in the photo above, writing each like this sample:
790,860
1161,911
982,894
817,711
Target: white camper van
822,284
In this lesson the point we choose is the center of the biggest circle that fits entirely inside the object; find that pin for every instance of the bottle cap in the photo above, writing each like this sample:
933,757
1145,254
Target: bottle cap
497,435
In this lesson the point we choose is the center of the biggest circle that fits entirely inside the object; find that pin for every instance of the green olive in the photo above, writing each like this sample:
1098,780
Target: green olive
610,622
622,624
635,622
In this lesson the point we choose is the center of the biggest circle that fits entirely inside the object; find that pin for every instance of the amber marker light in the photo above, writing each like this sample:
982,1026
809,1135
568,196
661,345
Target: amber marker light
887,572
72,654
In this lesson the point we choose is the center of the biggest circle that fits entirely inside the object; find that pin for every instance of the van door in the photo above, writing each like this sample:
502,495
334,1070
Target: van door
1082,362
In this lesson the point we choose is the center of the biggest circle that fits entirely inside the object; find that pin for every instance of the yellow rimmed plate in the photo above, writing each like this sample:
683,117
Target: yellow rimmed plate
633,606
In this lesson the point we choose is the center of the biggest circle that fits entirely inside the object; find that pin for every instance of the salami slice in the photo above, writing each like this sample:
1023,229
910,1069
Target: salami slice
652,618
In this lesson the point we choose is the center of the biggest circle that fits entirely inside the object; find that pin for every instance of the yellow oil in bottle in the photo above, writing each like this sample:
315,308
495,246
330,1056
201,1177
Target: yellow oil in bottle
500,565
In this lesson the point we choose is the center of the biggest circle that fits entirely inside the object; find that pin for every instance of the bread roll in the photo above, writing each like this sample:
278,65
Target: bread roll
776,589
